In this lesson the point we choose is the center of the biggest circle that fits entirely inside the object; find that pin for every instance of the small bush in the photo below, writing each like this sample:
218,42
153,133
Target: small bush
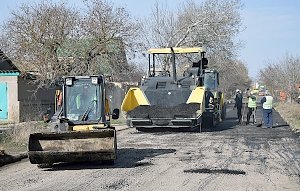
16,139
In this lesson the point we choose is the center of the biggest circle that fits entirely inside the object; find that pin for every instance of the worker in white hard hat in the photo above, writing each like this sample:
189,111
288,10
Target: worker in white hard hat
251,107
267,102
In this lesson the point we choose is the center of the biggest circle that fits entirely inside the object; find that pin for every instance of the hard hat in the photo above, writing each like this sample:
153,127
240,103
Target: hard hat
251,92
237,90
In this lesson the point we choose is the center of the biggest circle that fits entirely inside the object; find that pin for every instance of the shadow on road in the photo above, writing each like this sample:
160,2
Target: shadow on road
232,123
127,158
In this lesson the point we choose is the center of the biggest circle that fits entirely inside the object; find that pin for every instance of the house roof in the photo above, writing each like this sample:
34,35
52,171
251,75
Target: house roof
6,65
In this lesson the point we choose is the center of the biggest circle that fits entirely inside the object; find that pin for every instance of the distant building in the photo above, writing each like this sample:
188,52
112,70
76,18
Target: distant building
18,101
9,104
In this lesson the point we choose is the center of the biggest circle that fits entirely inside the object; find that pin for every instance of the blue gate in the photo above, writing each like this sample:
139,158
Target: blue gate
3,101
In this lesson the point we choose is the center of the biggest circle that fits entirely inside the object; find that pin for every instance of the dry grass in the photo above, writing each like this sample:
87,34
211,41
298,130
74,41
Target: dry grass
120,121
16,140
290,112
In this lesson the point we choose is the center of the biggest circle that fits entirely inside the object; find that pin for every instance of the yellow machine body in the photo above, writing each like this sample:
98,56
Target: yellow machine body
77,135
165,99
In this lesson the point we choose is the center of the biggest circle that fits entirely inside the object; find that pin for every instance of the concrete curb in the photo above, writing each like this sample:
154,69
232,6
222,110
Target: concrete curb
8,159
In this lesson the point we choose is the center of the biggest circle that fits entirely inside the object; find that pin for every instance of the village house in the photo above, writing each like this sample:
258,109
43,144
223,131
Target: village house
18,99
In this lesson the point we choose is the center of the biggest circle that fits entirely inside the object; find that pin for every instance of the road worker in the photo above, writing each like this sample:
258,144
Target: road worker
251,107
239,104
267,102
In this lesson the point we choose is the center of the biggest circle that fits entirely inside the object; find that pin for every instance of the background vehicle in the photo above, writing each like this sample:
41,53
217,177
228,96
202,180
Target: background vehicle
262,91
80,127
165,99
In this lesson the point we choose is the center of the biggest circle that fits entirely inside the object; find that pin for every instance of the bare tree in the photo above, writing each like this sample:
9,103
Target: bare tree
283,75
111,33
233,74
212,24
36,34
53,40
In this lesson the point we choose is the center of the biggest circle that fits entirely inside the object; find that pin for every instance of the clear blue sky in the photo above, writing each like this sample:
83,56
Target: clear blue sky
272,26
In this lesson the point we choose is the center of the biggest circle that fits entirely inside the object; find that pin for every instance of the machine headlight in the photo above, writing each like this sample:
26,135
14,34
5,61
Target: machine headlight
69,81
94,80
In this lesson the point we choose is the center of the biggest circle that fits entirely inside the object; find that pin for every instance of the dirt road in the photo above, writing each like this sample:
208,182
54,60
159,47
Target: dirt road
230,158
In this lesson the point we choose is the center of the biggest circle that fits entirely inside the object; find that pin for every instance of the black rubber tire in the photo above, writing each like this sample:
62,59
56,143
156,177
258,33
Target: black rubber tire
199,128
108,162
208,123
223,114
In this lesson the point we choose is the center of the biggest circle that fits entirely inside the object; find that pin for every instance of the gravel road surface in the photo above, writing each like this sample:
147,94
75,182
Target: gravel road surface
233,157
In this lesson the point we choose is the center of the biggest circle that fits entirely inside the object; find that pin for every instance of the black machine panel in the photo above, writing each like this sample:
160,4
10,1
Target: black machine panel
167,99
